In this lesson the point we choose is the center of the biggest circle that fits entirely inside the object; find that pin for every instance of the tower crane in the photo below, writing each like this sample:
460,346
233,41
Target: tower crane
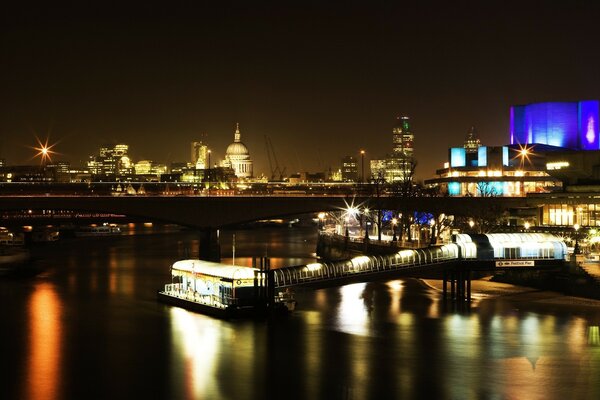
276,170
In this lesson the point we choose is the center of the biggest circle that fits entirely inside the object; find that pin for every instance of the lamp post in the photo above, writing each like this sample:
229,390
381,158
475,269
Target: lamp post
576,248
471,224
394,223
366,214
432,238
362,162
321,220
347,231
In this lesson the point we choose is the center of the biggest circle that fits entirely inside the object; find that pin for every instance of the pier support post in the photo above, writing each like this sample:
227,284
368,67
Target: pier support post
468,285
210,248
445,284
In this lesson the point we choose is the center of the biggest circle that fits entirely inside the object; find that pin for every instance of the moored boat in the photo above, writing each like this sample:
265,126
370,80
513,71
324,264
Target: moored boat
102,230
226,291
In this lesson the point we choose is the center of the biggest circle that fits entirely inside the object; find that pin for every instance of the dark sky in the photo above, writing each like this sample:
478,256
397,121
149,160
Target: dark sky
321,81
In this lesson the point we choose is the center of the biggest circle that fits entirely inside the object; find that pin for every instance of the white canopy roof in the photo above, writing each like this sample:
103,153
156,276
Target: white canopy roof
215,269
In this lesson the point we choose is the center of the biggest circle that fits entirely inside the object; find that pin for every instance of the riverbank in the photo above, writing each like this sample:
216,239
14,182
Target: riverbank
486,289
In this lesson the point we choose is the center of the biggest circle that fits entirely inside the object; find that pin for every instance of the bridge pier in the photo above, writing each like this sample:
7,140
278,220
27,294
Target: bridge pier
460,284
210,248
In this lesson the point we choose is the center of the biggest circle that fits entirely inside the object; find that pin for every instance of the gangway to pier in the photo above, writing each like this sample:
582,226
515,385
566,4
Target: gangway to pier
465,254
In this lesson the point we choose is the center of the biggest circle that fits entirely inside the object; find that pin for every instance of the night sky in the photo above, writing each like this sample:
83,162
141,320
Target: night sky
321,81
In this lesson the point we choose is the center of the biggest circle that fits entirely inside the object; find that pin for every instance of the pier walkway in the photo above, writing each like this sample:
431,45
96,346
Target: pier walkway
489,252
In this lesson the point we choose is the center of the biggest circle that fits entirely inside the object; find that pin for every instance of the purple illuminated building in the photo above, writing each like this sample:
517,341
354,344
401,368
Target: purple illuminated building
572,125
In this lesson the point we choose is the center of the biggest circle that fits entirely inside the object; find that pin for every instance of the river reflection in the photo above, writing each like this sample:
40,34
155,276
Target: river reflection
45,343
90,327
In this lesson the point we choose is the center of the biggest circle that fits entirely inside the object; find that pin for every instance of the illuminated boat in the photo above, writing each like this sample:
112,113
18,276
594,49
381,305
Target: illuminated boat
103,230
216,289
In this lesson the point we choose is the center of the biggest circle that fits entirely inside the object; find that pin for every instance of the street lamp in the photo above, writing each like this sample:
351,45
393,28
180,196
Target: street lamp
576,248
362,161
321,216
347,231
394,222
209,177
432,237
471,223
526,225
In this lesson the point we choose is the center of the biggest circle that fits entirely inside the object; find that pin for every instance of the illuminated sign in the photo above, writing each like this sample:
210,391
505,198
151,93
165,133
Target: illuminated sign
557,165
515,263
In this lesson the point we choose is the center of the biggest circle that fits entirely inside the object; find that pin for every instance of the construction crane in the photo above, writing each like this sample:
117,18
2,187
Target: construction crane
276,170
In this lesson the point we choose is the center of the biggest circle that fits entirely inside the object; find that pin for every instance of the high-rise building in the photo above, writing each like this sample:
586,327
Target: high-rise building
111,160
349,169
199,155
148,167
237,157
403,138
400,164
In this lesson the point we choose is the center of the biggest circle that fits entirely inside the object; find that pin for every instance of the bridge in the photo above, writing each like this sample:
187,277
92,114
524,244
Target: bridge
208,212
489,252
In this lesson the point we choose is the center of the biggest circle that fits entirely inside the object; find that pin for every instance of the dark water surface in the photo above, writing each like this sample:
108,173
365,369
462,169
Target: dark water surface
89,327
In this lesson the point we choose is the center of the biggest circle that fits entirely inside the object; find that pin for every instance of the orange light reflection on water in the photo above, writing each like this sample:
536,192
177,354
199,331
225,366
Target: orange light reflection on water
44,343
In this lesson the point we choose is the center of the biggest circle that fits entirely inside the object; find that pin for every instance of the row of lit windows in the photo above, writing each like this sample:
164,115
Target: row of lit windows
568,215
497,188
492,173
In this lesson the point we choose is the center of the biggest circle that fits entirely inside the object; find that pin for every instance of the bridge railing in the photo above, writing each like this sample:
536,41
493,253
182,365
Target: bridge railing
362,265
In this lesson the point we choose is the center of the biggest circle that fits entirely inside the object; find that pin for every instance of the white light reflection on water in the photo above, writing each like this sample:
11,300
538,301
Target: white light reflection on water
395,290
352,315
196,340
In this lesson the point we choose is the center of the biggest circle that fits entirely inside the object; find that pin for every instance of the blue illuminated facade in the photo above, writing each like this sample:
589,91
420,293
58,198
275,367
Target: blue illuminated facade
454,188
458,157
572,125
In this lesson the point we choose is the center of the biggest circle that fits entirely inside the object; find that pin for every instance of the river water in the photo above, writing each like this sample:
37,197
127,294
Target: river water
89,327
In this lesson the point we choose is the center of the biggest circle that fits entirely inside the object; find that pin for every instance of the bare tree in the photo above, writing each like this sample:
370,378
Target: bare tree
403,189
377,190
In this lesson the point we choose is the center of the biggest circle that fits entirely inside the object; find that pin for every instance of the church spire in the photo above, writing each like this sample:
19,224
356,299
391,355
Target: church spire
238,136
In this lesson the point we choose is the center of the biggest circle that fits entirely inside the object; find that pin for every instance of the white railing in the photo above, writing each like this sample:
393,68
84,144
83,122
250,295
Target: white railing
404,259
177,290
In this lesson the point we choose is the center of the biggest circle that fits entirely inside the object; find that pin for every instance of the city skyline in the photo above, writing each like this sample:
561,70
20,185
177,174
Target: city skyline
321,81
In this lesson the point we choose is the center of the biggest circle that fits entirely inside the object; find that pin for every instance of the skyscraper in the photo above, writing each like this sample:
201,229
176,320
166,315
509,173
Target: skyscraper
112,160
349,169
403,138
400,164
199,155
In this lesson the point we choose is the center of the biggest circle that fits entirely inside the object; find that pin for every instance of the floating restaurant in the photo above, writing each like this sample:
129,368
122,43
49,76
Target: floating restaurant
217,289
